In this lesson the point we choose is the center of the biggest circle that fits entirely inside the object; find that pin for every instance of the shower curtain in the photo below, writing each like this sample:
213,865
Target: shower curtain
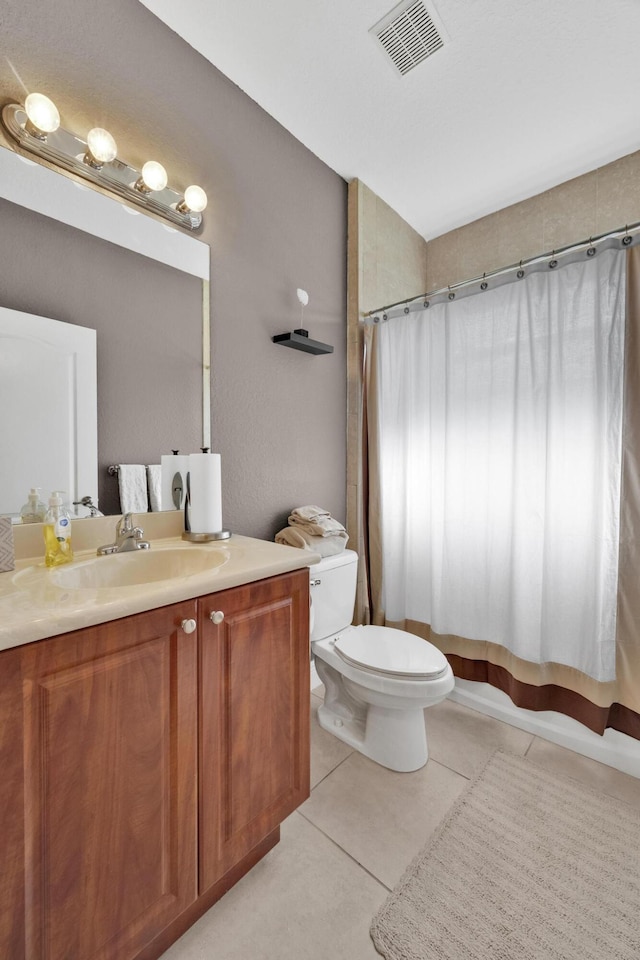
495,438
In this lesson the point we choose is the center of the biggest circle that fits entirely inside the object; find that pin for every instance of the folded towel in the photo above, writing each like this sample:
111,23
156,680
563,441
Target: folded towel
154,483
298,537
132,481
310,512
316,521
322,527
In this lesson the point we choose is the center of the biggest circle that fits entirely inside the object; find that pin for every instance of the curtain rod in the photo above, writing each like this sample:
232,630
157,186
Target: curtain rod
618,239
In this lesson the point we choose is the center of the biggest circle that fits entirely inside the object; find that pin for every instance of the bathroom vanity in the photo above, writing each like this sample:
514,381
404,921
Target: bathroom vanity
147,759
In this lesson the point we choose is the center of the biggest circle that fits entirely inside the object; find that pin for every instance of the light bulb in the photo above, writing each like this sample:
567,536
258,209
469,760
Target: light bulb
195,199
101,147
303,296
154,177
42,115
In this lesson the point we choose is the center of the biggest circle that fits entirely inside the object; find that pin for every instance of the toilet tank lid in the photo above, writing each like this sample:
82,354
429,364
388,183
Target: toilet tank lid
336,560
391,652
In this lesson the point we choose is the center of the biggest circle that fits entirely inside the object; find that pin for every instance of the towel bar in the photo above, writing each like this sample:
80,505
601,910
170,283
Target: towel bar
113,470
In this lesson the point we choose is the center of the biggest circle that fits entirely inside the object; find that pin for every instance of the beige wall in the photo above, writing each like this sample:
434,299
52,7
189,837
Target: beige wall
392,257
605,199
387,261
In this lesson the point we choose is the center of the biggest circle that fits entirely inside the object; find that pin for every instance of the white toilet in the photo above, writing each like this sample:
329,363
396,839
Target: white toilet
377,680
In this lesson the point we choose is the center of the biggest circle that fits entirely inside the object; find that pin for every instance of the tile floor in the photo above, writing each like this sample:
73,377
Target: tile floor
314,895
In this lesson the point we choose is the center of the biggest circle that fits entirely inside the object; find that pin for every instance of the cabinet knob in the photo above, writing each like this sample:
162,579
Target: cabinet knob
188,626
216,616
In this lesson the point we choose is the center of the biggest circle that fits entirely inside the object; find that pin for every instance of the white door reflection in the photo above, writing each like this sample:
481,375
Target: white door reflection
48,394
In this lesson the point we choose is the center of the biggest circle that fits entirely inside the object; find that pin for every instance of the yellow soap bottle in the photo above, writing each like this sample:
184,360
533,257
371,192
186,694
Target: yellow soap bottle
57,533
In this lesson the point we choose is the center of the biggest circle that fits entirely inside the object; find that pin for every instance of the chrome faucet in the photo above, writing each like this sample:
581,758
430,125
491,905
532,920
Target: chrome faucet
128,538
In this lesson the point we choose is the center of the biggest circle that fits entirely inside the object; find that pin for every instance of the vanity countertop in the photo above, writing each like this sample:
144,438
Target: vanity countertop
33,606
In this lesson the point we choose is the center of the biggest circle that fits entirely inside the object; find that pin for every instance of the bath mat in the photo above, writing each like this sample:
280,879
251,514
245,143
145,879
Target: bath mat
528,865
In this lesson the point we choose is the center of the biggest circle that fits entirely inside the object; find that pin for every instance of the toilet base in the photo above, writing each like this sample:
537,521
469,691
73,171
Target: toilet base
396,739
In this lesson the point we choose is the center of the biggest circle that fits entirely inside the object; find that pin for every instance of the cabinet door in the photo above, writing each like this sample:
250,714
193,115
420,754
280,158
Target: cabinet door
110,716
254,716
12,894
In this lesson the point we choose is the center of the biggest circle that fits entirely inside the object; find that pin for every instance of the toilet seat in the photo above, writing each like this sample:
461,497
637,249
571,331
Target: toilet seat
390,652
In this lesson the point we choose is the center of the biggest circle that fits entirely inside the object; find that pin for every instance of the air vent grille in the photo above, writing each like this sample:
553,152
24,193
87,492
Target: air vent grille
408,35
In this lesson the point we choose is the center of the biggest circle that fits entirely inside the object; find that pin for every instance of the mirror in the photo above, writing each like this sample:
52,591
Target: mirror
72,253
61,451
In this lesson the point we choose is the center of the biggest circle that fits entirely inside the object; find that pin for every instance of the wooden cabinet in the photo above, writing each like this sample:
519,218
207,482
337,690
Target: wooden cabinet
143,766
108,786
254,716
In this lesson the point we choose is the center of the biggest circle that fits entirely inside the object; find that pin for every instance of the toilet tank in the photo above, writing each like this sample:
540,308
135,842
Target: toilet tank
333,593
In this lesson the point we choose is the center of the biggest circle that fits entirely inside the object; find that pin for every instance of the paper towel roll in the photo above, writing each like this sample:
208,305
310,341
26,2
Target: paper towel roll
170,465
205,514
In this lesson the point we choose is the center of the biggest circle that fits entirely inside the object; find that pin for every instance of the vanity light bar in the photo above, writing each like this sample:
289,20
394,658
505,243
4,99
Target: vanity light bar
35,128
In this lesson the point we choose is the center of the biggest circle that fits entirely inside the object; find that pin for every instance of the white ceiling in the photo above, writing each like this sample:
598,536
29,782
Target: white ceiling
524,95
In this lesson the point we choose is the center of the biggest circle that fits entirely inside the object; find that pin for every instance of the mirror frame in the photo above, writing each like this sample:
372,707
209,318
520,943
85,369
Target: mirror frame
30,184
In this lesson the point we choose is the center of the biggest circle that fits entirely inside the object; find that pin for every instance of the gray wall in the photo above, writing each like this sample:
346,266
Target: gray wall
276,221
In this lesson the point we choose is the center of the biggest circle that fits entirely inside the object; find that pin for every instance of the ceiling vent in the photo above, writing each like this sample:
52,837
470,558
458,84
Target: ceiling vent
408,35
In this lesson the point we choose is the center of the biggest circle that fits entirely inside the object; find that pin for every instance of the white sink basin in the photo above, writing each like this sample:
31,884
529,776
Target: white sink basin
139,567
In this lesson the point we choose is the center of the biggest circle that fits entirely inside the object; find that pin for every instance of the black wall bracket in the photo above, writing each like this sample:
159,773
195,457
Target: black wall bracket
300,340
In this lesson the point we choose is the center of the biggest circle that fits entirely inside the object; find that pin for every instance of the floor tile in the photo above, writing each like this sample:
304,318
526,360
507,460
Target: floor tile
305,901
326,750
313,897
463,739
382,818
558,759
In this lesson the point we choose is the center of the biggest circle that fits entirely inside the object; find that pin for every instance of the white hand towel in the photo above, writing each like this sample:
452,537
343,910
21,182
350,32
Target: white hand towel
132,481
298,537
154,483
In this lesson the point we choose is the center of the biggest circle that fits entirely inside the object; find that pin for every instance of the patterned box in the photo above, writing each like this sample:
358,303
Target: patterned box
7,552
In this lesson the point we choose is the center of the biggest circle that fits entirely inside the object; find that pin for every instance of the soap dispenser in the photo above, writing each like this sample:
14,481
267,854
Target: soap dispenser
34,509
57,532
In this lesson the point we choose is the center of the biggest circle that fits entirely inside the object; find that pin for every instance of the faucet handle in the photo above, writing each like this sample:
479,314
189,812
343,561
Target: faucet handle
125,524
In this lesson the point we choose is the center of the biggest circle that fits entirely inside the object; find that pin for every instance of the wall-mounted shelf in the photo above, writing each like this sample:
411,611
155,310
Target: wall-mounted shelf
300,340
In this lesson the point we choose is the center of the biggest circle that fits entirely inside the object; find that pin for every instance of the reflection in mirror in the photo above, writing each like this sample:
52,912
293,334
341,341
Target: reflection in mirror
48,389
138,286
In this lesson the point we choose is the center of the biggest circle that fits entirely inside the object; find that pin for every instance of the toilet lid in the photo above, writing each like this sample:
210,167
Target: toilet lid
392,652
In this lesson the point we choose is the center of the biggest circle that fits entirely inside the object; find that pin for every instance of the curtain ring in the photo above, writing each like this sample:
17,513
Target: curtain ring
591,250
626,240
452,296
553,263
484,284
520,273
